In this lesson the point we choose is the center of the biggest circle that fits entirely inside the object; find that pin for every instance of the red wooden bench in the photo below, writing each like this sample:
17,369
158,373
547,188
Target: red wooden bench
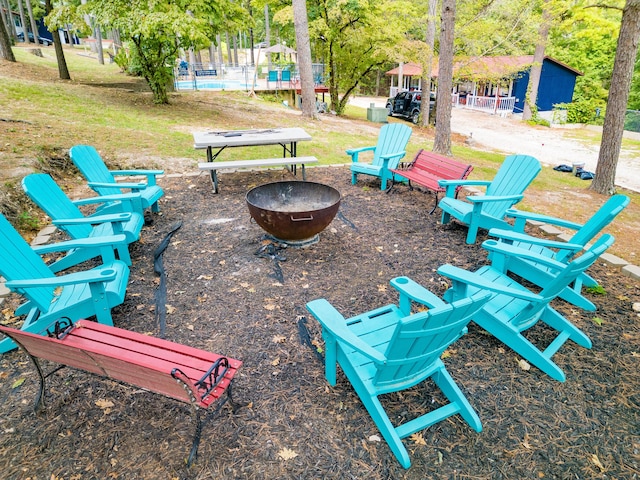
187,374
427,168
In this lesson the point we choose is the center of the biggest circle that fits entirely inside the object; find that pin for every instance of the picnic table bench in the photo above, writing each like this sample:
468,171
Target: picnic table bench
214,166
190,375
427,168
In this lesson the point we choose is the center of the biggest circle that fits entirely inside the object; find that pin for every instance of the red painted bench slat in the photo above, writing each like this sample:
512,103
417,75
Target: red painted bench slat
427,168
129,357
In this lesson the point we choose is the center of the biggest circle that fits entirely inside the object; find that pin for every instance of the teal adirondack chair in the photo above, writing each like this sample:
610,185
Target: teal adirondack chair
488,211
64,214
390,149
82,294
514,309
103,181
563,252
389,349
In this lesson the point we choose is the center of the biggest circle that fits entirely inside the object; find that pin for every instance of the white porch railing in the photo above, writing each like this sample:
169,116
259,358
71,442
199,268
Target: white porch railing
502,106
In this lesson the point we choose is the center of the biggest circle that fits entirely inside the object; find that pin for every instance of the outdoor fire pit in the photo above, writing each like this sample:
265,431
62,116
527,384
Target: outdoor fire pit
293,212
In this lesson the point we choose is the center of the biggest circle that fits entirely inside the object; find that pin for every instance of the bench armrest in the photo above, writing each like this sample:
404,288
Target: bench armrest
413,291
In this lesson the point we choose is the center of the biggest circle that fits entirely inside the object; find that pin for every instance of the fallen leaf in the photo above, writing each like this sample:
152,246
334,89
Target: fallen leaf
287,454
597,320
382,288
104,404
270,306
190,327
205,277
379,249
170,309
417,439
18,382
374,438
251,290
279,339
524,365
597,463
275,362
244,284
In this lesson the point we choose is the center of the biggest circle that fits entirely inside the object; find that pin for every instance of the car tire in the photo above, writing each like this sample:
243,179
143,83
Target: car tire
415,117
389,110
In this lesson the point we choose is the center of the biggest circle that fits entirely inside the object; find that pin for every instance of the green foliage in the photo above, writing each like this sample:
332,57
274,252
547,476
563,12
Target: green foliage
26,221
583,110
632,121
596,290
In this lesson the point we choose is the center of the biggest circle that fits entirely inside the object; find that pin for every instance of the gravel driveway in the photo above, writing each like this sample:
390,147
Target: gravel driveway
552,146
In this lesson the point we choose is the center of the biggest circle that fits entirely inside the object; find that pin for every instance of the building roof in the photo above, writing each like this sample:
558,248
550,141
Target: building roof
484,68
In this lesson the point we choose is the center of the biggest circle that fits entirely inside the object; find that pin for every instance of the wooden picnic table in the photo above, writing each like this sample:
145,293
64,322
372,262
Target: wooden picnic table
215,142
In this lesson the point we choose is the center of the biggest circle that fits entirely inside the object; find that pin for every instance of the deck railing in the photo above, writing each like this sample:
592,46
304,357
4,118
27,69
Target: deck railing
502,106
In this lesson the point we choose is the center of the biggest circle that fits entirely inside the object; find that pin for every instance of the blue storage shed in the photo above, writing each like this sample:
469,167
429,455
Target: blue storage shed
557,82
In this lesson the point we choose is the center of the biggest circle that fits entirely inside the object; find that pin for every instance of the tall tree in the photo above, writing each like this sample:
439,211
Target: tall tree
442,141
63,70
612,130
303,47
5,44
430,40
34,26
538,58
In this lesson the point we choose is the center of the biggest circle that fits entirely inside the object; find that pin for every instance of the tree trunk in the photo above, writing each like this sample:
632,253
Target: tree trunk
442,141
34,27
23,20
303,46
536,68
5,44
613,128
63,70
98,36
430,40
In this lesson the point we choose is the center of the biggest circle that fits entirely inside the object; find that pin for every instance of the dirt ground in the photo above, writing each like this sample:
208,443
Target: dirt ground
225,296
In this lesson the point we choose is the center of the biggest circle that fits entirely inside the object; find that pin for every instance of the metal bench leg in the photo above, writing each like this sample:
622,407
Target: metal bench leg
214,180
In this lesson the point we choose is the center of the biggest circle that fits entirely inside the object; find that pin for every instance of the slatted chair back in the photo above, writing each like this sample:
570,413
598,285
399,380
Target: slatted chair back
45,193
525,317
18,261
93,168
420,339
393,138
603,217
512,178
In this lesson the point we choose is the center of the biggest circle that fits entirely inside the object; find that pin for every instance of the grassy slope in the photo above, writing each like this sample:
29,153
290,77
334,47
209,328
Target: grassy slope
114,112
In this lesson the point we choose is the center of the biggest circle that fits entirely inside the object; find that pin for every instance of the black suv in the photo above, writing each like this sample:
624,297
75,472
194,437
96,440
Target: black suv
407,104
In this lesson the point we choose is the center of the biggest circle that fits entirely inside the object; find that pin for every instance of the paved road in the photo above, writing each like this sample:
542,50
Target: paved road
552,146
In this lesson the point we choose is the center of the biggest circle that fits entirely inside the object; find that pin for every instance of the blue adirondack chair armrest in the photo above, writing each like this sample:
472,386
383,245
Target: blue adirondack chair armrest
92,276
333,321
412,291
150,174
389,156
133,186
91,242
501,251
355,151
118,197
95,220
452,185
462,278
522,217
508,236
493,198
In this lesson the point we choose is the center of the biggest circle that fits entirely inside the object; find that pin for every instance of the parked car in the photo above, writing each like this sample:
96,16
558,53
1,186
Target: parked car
407,104
42,40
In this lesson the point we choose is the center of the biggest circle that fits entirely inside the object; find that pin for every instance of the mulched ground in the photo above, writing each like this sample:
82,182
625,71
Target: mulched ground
225,297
